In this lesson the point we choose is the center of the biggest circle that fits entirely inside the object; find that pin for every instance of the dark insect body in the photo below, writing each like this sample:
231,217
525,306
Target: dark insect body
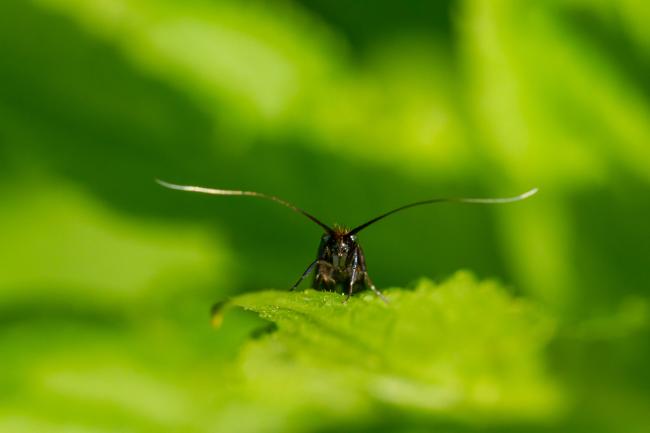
340,259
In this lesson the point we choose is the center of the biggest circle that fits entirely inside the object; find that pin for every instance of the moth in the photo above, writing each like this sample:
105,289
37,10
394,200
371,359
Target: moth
340,260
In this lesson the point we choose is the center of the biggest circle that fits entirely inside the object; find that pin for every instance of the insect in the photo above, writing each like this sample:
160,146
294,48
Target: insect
340,259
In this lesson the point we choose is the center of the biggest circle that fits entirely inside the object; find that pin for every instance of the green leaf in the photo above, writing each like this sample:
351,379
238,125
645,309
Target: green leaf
464,350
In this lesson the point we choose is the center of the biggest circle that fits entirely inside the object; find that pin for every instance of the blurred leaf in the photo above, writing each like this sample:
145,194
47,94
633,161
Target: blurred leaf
556,109
346,110
461,350
246,57
83,250
270,70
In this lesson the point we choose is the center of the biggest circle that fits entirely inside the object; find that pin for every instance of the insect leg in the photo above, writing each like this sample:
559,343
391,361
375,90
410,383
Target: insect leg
353,274
366,277
302,277
319,276
370,284
324,279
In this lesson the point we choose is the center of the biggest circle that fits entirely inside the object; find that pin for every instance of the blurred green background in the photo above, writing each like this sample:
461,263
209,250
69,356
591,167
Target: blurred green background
346,109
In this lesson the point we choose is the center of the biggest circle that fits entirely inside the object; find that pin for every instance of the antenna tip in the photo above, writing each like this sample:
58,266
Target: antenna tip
530,193
166,184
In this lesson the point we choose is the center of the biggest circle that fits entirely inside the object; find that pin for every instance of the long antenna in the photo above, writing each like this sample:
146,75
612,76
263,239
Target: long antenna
246,193
446,200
